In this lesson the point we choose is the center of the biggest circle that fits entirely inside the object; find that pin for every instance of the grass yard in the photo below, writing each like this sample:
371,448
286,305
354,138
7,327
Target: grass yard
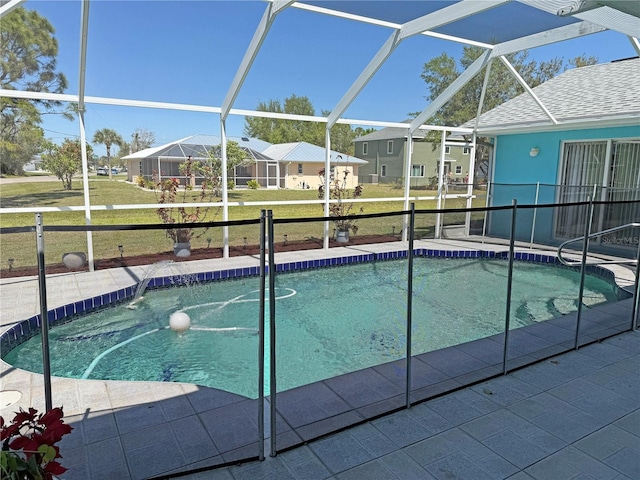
22,247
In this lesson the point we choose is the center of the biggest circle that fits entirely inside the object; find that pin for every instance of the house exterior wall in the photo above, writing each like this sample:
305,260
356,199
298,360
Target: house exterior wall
515,174
423,154
378,157
309,178
133,170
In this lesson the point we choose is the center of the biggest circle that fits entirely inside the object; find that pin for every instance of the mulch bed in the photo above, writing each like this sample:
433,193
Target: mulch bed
196,254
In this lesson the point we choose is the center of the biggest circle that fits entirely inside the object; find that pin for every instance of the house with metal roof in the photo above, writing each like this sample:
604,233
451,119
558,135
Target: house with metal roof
287,165
574,137
300,163
384,149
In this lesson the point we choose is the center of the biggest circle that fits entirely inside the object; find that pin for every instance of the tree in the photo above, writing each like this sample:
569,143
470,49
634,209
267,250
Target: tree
141,139
108,137
361,132
27,62
212,171
275,130
65,160
440,71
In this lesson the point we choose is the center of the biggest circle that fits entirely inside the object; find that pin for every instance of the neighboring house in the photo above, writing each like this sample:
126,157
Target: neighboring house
300,163
164,161
592,145
384,149
288,165
33,165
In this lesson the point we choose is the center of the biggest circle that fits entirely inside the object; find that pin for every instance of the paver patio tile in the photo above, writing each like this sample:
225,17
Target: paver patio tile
607,441
401,428
373,470
304,464
567,464
541,404
340,452
404,467
626,461
515,448
269,469
457,466
630,423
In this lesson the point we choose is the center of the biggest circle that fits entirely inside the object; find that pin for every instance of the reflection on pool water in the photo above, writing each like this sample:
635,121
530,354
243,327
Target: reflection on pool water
329,321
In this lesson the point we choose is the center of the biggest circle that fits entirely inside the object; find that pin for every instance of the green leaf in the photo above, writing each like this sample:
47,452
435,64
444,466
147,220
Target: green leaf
48,452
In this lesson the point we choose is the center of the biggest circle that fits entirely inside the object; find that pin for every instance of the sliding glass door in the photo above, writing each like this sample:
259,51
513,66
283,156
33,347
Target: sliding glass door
605,170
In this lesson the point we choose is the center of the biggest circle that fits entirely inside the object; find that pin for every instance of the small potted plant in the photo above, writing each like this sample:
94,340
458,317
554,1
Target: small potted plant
341,207
169,191
29,450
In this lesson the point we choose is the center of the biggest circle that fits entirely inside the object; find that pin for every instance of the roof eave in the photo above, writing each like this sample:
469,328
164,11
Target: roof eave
571,124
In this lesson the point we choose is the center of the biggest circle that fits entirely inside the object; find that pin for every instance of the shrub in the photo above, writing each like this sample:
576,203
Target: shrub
168,194
342,208
253,184
29,448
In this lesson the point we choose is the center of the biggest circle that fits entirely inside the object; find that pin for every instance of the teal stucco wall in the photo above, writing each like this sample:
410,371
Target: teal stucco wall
516,173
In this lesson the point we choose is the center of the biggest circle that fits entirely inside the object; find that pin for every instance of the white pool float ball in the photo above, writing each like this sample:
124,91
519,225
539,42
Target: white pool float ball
179,322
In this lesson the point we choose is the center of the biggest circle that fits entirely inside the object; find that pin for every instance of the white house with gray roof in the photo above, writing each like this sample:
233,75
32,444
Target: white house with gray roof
299,164
287,165
585,140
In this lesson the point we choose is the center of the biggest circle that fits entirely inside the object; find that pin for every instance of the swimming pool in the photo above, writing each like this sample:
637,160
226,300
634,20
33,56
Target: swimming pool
329,321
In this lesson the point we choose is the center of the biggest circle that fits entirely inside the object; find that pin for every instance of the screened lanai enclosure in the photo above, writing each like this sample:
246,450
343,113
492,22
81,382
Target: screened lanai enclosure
156,164
256,60
197,71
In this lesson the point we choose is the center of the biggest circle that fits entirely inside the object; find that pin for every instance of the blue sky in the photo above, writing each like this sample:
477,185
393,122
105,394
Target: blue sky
188,52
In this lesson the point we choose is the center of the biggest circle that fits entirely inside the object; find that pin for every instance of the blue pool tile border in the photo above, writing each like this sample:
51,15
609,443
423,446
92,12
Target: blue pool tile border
25,329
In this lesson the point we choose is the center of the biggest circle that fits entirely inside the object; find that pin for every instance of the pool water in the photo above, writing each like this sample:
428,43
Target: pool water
328,322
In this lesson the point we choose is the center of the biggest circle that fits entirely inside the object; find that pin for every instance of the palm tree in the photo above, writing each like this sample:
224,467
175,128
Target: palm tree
108,137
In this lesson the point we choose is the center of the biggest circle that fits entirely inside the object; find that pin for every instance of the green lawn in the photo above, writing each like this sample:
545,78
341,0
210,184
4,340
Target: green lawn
21,247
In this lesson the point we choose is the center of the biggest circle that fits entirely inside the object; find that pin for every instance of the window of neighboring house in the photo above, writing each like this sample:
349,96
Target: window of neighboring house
614,166
390,146
417,170
365,148
458,169
466,151
332,171
299,169
383,170
447,150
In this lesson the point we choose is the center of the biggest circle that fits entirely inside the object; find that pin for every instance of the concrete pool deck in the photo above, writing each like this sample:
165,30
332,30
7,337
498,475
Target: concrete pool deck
571,414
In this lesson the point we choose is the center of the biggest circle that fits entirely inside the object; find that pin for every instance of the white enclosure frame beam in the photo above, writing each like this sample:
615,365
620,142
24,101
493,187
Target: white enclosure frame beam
437,19
548,37
606,17
450,91
84,29
270,13
7,7
225,188
635,44
384,23
327,184
528,89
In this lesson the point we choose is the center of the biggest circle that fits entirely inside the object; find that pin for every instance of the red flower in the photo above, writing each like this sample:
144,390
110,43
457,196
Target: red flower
30,440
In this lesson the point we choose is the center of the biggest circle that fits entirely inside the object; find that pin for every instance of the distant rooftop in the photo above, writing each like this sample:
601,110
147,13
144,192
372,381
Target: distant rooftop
302,152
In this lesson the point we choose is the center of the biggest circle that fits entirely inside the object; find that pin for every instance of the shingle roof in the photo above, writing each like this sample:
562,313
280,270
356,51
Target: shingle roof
302,152
604,93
